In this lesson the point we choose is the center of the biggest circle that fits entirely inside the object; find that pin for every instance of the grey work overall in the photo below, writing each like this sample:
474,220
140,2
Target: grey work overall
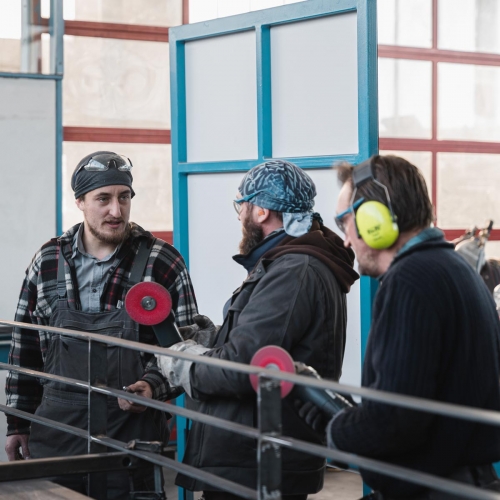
68,357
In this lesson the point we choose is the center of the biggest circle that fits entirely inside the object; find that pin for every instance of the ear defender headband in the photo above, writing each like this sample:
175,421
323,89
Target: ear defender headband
375,222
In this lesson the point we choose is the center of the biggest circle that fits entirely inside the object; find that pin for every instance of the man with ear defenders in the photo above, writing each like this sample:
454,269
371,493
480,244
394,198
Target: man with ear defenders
434,335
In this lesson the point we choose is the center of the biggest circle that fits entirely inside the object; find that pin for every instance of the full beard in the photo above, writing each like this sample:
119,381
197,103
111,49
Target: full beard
252,236
114,238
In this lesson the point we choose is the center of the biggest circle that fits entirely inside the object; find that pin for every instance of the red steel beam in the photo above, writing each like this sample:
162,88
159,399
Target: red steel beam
452,234
438,55
115,30
434,145
130,135
167,236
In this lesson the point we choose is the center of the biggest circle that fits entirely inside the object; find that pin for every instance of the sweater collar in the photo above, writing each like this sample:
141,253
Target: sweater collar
428,234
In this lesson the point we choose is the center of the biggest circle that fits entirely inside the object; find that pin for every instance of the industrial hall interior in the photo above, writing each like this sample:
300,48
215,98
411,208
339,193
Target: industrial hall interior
251,249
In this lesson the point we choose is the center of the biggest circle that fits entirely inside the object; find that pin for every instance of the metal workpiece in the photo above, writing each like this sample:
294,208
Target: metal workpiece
269,453
152,447
97,414
79,464
188,470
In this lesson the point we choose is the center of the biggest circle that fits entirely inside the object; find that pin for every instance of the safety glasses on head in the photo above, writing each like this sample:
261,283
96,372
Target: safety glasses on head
101,163
376,223
339,218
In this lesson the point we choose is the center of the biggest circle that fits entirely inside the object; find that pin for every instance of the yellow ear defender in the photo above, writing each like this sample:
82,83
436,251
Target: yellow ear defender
376,225
375,222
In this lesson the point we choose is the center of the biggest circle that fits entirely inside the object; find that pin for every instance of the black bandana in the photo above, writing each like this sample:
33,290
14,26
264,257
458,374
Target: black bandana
83,181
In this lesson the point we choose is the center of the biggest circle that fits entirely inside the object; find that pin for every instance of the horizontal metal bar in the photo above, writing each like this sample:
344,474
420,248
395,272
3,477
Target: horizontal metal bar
438,55
188,470
183,412
419,404
428,480
438,145
106,134
45,376
151,403
78,464
251,20
45,421
150,457
304,162
116,31
31,76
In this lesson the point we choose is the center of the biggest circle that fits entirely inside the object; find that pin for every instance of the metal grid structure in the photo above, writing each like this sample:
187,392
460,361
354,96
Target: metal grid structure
434,145
268,434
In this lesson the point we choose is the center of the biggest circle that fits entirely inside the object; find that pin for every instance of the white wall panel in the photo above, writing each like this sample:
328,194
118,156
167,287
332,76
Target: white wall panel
214,235
221,81
28,179
314,87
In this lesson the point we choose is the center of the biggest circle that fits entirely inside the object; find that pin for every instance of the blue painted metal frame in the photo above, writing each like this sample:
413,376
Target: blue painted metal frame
261,22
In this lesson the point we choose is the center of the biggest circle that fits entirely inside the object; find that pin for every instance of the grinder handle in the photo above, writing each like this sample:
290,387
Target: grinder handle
167,332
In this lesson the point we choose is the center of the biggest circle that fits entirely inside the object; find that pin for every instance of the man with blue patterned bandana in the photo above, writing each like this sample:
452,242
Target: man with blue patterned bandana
295,297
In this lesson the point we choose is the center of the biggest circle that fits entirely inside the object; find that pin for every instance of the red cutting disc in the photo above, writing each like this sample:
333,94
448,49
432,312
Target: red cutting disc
138,300
273,357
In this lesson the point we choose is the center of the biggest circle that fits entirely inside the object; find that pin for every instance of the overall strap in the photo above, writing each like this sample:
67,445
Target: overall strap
61,277
140,262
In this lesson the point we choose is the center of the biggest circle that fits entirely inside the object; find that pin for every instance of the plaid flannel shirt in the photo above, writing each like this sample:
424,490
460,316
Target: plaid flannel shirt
39,295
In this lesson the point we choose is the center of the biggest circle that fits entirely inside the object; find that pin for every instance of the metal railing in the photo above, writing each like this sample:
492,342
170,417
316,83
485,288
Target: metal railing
268,435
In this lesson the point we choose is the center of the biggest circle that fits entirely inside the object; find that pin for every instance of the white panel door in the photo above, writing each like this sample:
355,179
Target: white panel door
28,179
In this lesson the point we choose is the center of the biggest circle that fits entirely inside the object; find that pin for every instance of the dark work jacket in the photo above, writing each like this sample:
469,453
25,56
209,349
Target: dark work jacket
435,335
294,302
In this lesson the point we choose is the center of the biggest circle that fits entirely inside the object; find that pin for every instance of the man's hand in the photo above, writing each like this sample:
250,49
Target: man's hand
312,415
141,388
12,445
203,331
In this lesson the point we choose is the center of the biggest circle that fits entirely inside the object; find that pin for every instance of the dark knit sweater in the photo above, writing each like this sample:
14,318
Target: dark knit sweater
435,334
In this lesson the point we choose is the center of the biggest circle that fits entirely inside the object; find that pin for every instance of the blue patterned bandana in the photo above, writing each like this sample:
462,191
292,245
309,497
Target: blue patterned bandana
284,187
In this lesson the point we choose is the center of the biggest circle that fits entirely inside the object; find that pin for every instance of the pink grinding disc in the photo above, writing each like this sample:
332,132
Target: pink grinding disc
139,298
274,357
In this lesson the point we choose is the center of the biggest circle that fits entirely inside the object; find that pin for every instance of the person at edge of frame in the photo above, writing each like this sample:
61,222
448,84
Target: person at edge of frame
434,335
79,281
294,296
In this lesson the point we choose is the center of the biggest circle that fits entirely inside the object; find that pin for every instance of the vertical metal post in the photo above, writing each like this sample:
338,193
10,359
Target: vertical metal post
98,414
269,454
31,32
56,30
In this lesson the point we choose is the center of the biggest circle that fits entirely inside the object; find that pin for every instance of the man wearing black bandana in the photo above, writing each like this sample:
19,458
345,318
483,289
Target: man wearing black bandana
299,273
79,281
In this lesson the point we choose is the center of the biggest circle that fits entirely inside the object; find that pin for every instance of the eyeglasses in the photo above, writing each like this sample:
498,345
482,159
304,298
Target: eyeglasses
101,163
339,218
238,203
